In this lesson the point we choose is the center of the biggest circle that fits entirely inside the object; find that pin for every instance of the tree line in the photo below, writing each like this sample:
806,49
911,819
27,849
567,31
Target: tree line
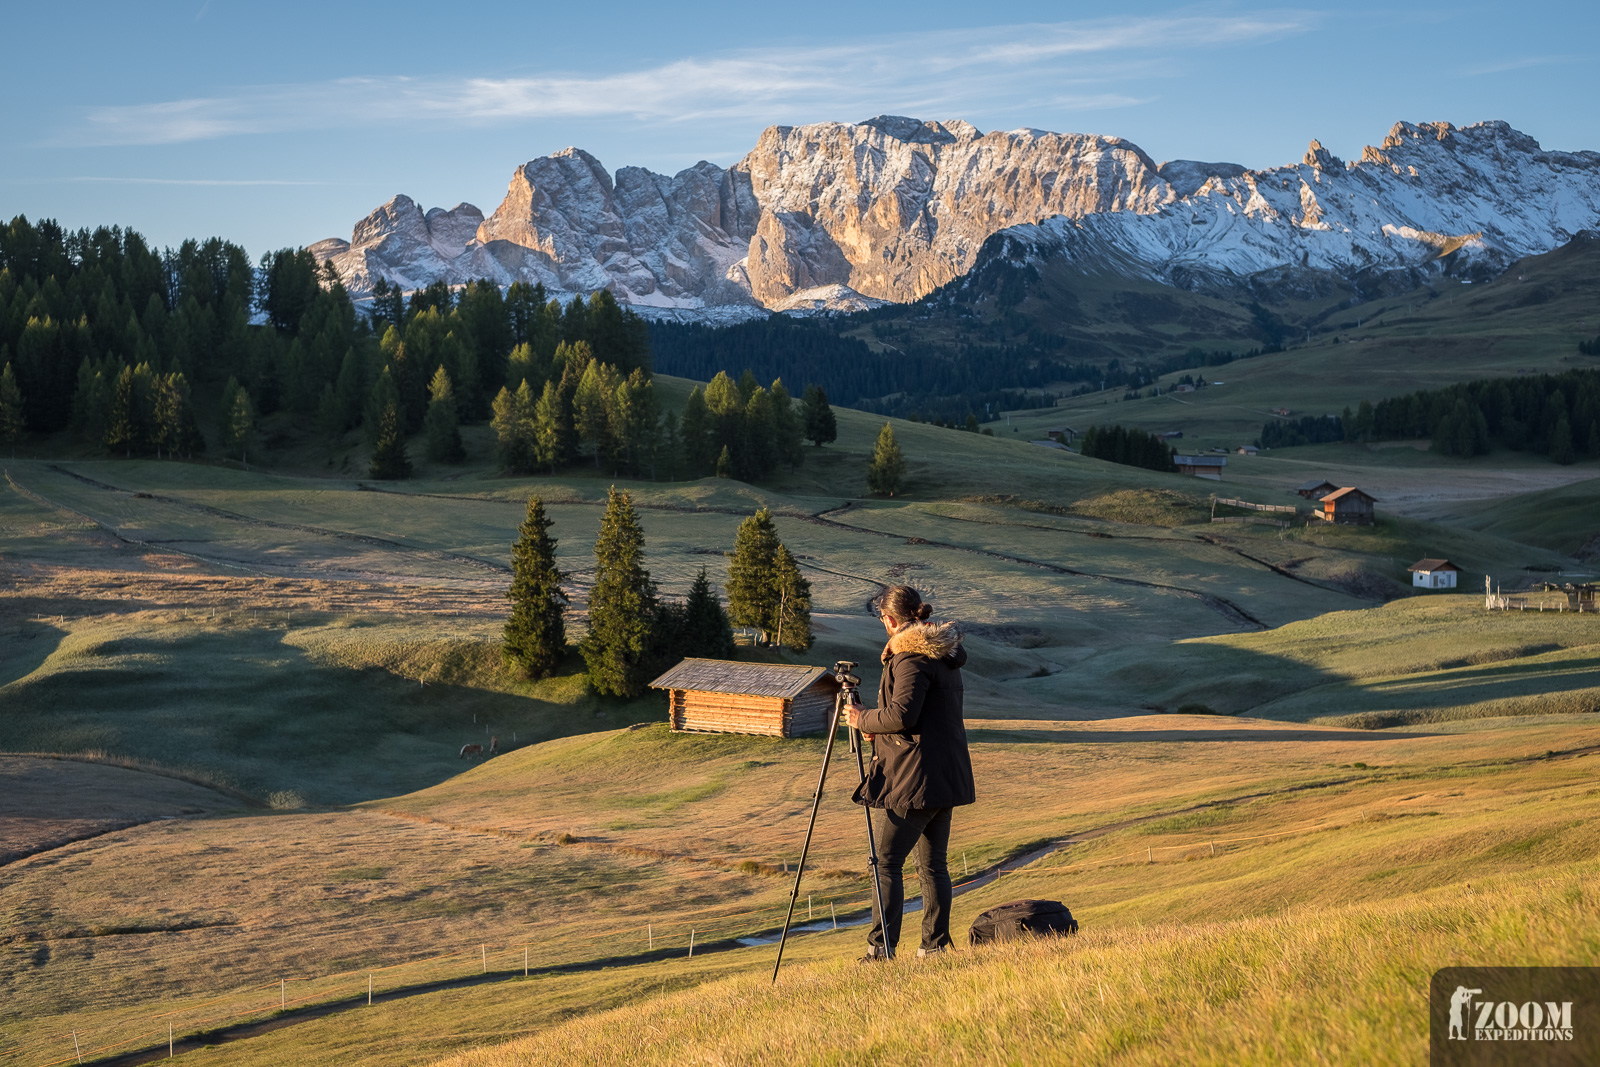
1129,446
136,350
633,632
1557,415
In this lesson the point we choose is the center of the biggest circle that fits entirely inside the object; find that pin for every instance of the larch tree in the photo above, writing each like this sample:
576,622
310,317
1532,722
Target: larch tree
552,428
622,604
888,467
238,421
794,603
12,420
444,435
535,633
389,459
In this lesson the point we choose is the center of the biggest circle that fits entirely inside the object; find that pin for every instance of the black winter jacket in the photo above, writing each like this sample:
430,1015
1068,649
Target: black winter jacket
919,752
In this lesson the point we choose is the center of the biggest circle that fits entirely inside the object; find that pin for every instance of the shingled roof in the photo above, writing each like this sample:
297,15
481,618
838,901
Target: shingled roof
746,679
1429,565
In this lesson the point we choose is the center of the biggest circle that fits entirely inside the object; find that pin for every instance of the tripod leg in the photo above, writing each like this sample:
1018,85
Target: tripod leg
816,802
872,850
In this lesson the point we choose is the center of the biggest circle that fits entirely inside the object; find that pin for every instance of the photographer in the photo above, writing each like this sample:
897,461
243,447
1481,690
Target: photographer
920,768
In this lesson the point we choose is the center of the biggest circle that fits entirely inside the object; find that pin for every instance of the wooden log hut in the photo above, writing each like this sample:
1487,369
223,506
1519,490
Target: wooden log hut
775,699
1316,490
1350,506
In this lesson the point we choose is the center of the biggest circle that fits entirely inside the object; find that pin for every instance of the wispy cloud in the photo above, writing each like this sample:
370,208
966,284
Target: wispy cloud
1520,63
963,70
115,180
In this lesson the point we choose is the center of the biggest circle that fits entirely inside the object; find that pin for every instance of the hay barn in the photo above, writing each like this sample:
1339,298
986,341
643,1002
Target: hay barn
775,699
1349,506
1316,490
1201,466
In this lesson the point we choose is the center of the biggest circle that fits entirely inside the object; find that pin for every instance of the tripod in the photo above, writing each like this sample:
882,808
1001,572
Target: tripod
849,685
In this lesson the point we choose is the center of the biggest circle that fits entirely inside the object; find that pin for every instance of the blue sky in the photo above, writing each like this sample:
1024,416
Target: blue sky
276,125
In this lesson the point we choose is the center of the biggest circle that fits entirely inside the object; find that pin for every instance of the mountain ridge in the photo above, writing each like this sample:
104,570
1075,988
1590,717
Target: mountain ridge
842,216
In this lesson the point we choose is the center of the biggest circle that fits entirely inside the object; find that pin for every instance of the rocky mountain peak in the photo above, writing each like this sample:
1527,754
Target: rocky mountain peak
1317,156
840,215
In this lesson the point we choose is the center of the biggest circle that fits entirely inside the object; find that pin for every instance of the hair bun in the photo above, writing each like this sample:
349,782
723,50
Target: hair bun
924,611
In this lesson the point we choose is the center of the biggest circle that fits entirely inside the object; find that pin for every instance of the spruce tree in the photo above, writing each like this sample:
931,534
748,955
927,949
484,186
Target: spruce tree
794,603
622,604
535,635
12,422
389,459
1561,449
725,464
444,437
821,427
888,466
704,629
753,590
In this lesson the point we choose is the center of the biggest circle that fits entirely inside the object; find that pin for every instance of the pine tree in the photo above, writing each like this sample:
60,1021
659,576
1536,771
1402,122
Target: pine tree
794,603
704,629
552,428
535,635
821,427
389,459
888,466
622,604
725,464
444,437
640,423
12,422
753,590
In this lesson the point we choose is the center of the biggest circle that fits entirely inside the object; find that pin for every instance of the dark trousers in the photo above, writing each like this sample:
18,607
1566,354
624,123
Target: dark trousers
898,834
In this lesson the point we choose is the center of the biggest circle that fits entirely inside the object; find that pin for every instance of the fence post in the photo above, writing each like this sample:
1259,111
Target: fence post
808,907
369,989
834,914
650,933
691,944
169,1041
485,949
1213,848
75,1050
1150,854
524,961
283,994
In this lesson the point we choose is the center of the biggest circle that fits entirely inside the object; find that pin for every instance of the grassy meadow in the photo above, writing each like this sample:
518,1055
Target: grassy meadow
1260,772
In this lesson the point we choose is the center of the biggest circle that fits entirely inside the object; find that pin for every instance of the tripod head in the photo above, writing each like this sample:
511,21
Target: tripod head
845,671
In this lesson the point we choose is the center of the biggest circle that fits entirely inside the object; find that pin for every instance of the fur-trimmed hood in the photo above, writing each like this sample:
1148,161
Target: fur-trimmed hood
936,640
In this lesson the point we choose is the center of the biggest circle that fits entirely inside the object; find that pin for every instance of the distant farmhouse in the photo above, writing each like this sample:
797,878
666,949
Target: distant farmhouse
1316,490
1434,574
1348,506
775,699
1063,434
1209,467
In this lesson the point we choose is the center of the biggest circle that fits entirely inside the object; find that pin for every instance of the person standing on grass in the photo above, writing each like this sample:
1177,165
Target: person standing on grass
920,770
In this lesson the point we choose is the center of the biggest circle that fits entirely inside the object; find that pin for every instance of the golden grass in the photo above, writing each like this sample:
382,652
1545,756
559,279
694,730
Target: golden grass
1325,984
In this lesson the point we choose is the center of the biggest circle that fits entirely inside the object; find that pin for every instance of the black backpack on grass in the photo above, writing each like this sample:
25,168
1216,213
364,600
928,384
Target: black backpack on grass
1022,919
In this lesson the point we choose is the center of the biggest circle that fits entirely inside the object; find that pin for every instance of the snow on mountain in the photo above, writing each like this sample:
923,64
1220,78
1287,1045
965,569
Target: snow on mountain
840,216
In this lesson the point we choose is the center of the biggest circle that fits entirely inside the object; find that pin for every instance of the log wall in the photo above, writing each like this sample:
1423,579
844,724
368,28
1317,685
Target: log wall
728,713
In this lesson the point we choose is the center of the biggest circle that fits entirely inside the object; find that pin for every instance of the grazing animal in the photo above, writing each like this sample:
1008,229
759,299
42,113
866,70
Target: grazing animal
494,746
470,750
